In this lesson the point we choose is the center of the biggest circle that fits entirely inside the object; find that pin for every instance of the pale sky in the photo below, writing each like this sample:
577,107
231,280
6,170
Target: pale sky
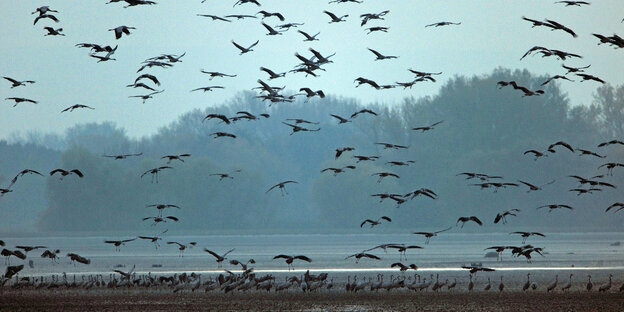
491,34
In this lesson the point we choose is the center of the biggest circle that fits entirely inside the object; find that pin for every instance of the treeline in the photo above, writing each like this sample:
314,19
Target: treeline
484,130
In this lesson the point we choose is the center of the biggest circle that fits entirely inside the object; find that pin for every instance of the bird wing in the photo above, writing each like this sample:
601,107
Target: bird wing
212,253
225,254
77,172
379,55
11,80
331,15
238,46
57,170
443,230
282,256
253,45
475,219
365,221
304,258
386,218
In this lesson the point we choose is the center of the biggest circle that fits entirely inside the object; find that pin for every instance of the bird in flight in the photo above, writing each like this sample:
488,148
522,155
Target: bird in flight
219,258
463,221
243,49
552,207
121,30
380,57
76,106
375,222
439,24
154,172
429,235
215,18
20,100
281,186
17,83
147,96
336,19
503,216
122,156
175,157
119,243
65,173
289,259
427,128
526,235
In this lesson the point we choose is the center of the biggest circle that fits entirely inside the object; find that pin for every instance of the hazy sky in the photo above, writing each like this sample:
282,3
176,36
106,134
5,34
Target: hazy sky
491,34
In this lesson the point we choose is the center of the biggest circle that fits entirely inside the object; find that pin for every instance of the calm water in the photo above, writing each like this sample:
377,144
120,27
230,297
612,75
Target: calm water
448,251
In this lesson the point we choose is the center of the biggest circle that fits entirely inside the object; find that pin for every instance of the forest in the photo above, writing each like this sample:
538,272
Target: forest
485,129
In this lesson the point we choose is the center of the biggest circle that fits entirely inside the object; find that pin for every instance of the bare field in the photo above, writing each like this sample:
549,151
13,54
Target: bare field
144,300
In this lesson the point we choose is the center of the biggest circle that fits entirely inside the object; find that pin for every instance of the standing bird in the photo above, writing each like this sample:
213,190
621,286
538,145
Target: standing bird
501,286
589,285
568,285
121,30
429,235
553,285
290,259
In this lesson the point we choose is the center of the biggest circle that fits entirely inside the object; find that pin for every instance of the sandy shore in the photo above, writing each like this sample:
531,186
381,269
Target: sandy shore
140,300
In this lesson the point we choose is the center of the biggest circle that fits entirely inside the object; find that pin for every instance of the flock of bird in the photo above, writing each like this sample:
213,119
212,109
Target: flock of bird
309,65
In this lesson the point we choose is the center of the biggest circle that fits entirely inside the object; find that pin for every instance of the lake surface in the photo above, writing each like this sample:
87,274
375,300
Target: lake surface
327,251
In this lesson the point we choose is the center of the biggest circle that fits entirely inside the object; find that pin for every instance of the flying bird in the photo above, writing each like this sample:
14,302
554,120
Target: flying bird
121,30
380,57
154,172
439,24
463,221
503,216
122,156
281,186
289,259
17,83
243,49
375,222
427,128
429,235
219,258
307,36
20,100
336,19
66,173
119,243
215,18
76,106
